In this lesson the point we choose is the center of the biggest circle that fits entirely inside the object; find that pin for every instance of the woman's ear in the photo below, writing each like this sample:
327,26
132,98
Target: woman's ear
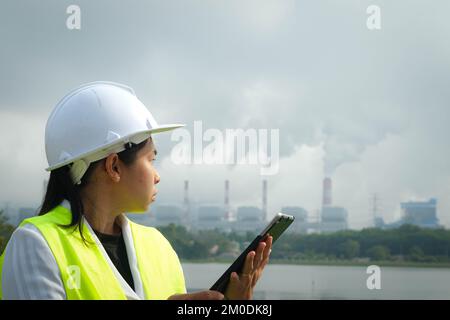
112,167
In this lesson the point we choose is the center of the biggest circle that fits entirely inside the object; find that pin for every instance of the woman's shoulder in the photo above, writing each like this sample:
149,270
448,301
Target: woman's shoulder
57,216
26,231
29,270
26,237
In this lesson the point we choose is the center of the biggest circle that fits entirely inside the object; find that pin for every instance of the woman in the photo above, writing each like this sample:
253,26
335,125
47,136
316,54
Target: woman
81,246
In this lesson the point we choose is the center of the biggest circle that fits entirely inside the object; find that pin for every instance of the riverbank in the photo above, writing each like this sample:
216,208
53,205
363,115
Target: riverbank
402,264
287,282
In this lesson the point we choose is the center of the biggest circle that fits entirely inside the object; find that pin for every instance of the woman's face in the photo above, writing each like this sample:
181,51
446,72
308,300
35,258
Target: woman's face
140,179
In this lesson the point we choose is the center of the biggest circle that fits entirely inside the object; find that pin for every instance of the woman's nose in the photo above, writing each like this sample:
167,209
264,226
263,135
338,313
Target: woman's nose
157,177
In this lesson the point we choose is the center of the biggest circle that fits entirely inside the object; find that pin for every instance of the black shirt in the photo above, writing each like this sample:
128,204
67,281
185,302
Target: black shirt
115,248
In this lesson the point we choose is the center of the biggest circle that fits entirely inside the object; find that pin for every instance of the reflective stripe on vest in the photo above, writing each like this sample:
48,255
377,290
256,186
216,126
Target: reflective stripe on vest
86,273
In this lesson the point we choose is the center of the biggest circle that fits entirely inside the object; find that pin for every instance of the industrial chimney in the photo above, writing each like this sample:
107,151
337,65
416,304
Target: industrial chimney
264,200
186,201
227,201
327,192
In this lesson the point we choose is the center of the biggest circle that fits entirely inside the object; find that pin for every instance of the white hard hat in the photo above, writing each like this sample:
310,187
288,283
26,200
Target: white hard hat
93,121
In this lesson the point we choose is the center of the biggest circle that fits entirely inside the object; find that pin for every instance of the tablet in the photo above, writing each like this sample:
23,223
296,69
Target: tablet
275,228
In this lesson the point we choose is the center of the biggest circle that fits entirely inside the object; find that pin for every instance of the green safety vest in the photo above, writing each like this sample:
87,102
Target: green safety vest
85,272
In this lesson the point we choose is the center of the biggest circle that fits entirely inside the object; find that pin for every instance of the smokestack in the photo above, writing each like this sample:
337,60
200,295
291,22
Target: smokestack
327,192
186,200
227,200
264,200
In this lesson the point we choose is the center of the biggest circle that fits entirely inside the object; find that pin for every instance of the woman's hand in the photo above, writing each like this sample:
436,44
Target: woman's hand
200,295
241,286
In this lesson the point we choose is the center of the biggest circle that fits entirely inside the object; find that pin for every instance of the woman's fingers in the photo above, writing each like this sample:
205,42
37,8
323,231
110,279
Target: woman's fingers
264,260
241,285
266,253
253,266
268,248
259,255
262,253
255,260
200,295
248,266
234,280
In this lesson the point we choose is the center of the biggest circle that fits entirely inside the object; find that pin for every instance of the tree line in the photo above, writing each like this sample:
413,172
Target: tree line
406,243
6,230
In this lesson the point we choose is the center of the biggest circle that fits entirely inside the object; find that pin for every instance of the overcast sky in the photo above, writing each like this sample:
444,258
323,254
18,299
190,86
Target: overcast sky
370,108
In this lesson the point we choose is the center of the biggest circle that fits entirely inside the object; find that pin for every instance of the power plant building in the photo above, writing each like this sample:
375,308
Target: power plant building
420,213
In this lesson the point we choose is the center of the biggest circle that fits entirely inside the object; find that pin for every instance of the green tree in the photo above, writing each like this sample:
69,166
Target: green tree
349,249
6,230
416,254
378,253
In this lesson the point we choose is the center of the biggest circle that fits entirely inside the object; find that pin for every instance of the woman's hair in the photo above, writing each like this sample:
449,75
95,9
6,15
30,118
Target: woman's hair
60,185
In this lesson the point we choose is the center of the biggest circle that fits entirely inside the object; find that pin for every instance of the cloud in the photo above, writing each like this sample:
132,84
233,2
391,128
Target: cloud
367,107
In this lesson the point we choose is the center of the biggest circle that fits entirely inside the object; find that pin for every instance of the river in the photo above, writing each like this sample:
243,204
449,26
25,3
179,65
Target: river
331,282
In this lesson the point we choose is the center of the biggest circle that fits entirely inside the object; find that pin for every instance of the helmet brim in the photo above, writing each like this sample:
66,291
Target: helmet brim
158,129
166,127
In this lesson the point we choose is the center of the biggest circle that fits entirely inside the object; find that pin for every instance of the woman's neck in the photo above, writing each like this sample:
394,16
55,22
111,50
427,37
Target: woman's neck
101,217
109,227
